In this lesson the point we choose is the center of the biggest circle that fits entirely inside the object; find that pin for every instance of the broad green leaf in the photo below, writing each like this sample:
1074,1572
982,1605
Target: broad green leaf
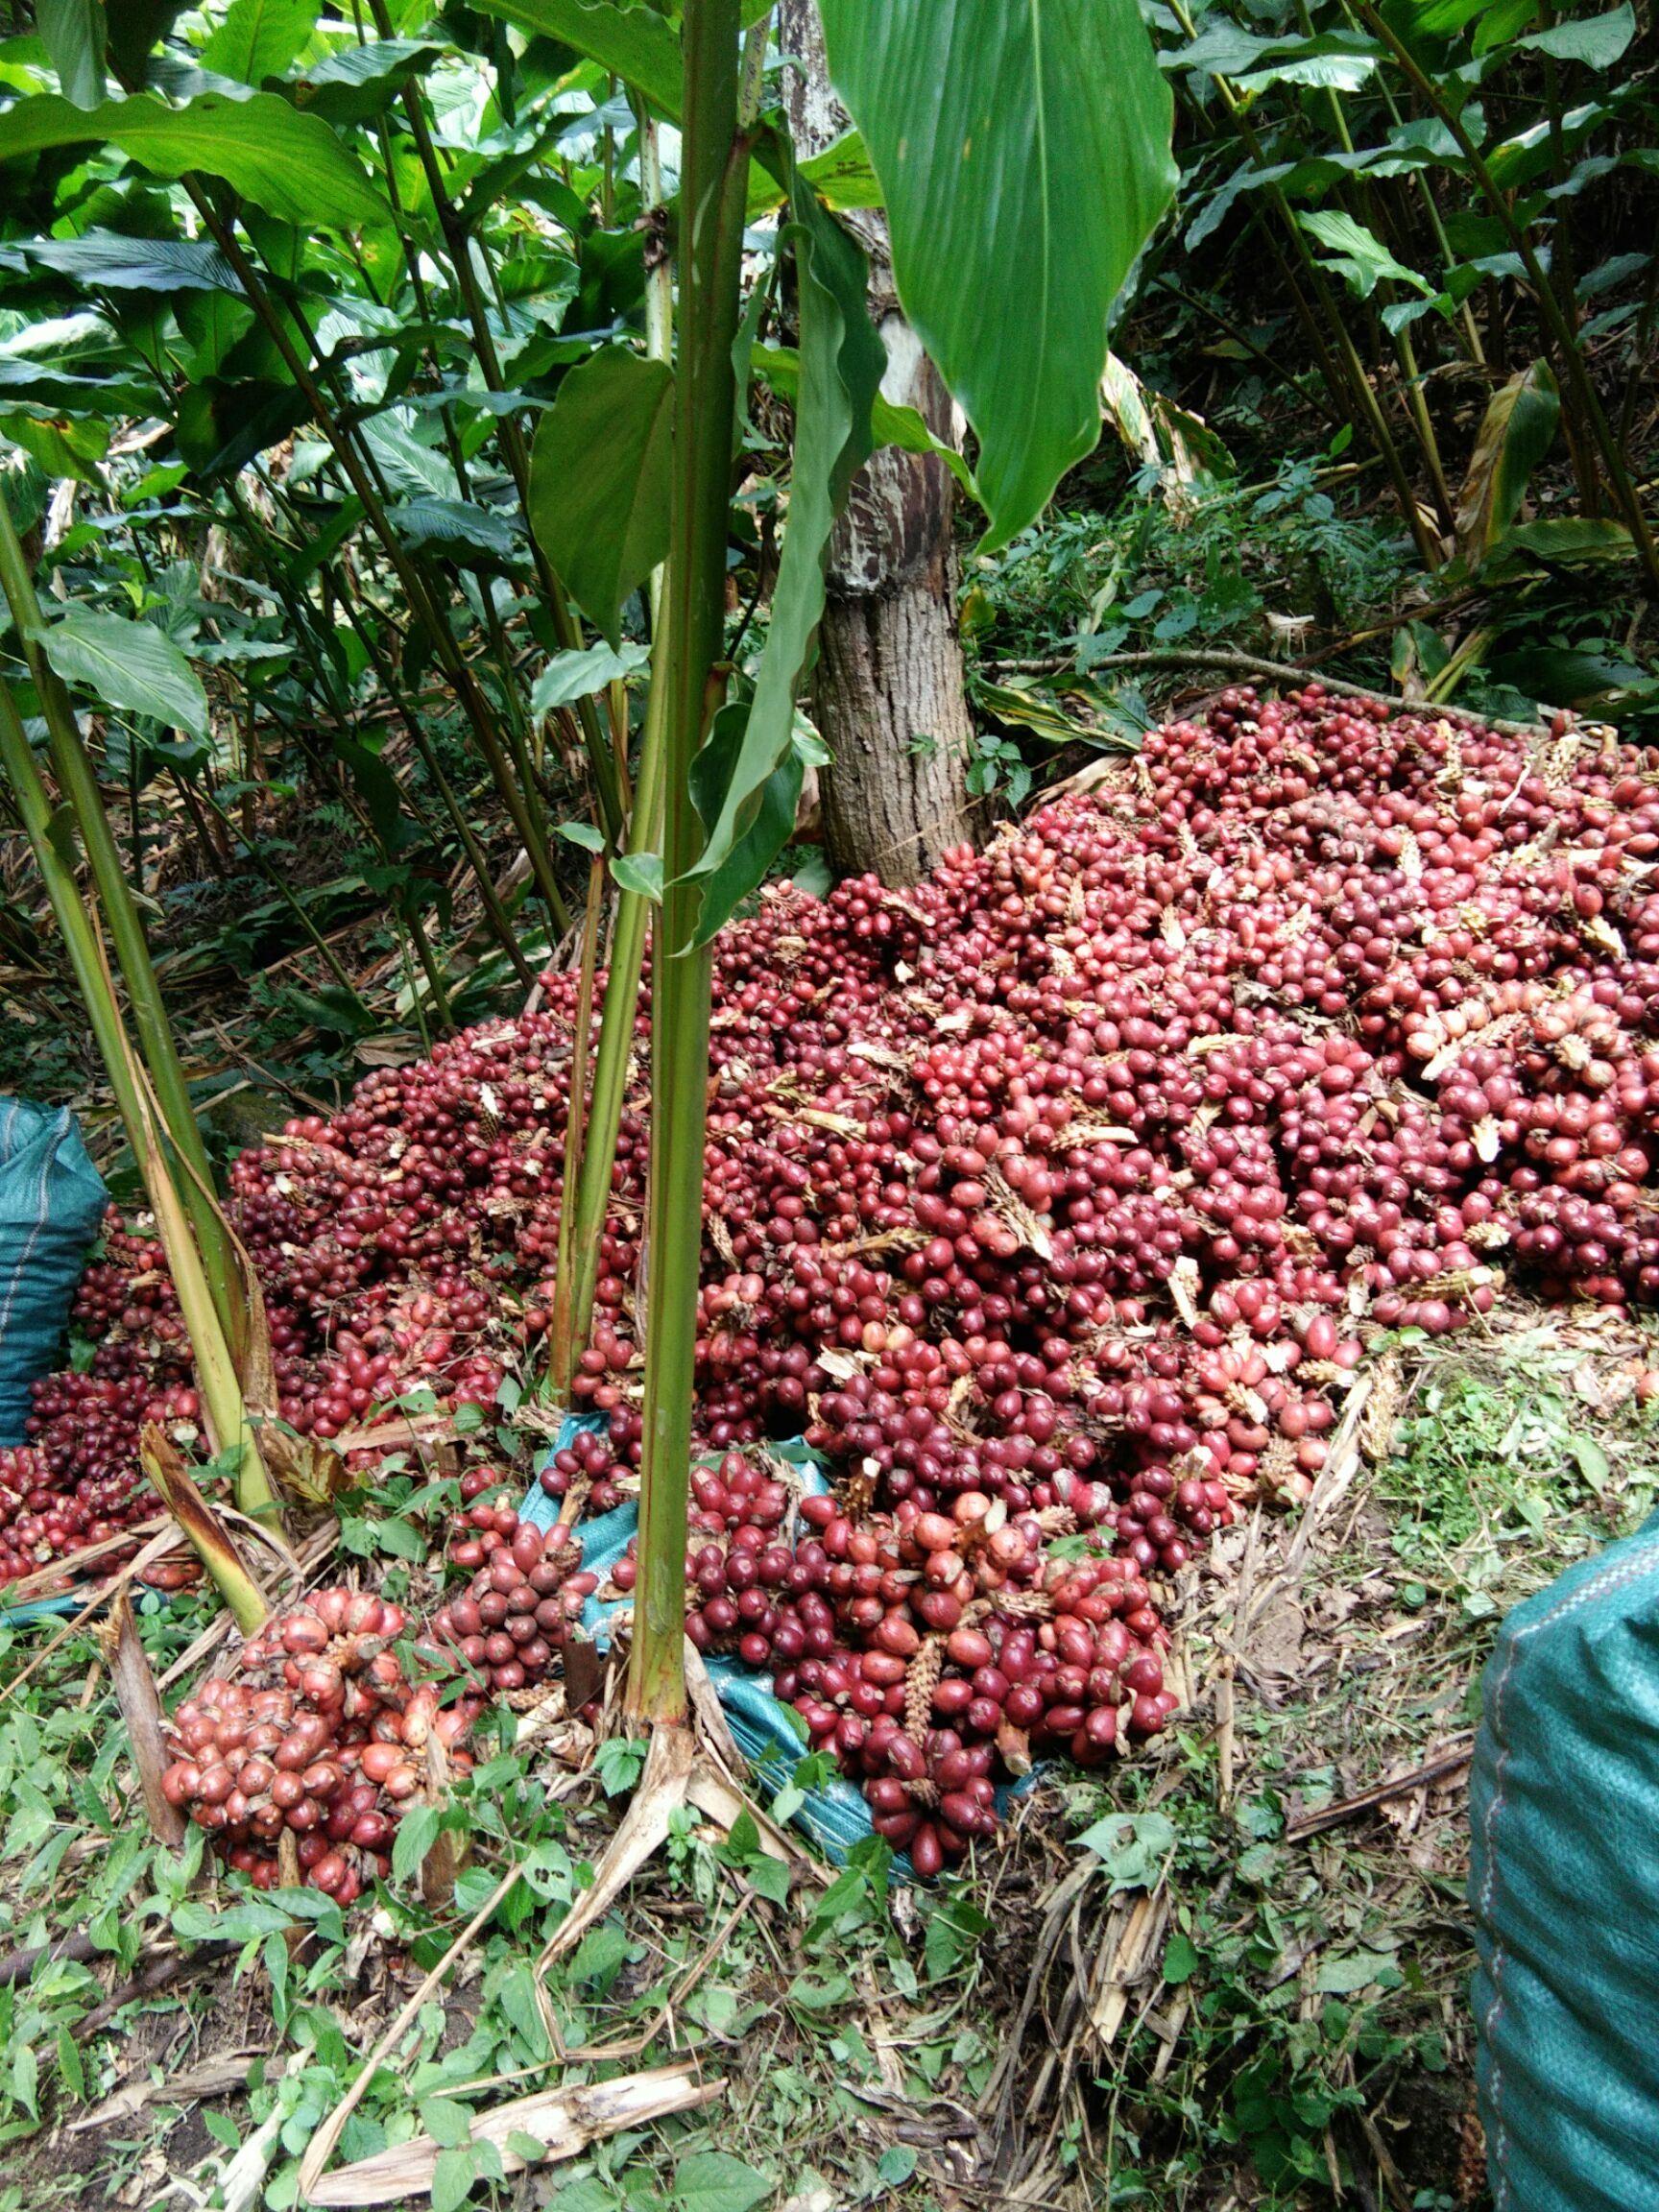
756,848
641,873
1439,18
1516,434
892,423
1357,1970
779,367
452,2178
1596,40
448,2124
600,478
75,33
1518,160
1501,23
841,360
417,1832
458,528
1593,1462
1131,1846
1333,72
1033,711
115,263
1357,254
896,2165
128,665
357,83
714,2181
30,382
291,166
1223,48
840,175
1181,1959
62,447
248,1918
581,833
1024,156
1567,676
571,676
1570,540
259,38
633,41
134,27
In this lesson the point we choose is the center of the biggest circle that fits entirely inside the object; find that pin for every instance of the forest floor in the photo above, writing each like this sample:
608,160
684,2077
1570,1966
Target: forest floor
1231,1972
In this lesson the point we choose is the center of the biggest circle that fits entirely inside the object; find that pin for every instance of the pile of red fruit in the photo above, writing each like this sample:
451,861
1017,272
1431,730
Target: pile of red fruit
1054,1197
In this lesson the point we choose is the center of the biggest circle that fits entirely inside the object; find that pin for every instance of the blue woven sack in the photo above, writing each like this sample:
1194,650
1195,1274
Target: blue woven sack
51,1203
1564,1880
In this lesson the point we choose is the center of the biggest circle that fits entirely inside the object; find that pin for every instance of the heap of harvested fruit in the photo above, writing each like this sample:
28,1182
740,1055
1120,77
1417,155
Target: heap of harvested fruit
1067,1184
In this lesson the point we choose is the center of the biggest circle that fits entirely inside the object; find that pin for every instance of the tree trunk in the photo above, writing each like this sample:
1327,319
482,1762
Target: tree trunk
888,689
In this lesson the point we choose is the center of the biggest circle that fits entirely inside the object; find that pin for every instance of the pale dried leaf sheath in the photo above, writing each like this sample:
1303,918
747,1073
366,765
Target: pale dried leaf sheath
140,1704
566,2121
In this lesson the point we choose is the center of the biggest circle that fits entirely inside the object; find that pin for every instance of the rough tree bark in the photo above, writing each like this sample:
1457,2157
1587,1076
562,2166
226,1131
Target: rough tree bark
888,690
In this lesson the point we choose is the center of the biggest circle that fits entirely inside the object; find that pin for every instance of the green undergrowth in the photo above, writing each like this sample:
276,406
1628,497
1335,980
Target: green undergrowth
1316,1985
1303,2003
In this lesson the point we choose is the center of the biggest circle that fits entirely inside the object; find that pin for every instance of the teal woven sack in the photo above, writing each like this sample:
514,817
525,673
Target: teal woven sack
51,1203
1564,1880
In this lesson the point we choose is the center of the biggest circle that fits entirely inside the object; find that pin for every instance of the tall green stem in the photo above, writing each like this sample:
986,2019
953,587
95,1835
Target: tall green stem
78,786
611,1060
412,581
477,859
621,1003
713,173
565,1342
518,454
215,1367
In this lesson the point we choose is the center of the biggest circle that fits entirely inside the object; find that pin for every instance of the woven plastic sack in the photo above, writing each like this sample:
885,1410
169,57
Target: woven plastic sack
1564,1880
764,1730
51,1203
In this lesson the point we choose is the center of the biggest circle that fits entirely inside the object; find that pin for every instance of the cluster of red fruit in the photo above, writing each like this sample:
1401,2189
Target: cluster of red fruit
318,1734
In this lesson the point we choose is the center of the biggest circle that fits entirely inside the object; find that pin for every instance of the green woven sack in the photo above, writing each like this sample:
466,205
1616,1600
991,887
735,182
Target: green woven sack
51,1203
1564,1880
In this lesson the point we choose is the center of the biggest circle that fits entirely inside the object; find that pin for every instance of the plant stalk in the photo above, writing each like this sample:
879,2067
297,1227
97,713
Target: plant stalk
215,1365
215,1546
1565,340
566,1345
448,654
518,454
621,1000
713,173
78,786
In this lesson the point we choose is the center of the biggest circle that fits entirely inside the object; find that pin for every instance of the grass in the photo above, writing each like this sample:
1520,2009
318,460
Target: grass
1163,1990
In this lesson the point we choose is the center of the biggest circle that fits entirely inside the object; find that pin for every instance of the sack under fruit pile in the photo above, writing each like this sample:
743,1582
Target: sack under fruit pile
1057,1195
